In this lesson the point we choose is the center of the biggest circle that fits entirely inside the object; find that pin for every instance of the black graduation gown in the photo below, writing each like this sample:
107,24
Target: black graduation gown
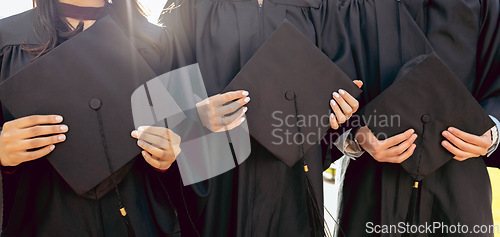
465,35
262,197
36,199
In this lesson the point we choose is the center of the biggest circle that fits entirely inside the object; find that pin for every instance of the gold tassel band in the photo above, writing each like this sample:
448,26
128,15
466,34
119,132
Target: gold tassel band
122,210
415,185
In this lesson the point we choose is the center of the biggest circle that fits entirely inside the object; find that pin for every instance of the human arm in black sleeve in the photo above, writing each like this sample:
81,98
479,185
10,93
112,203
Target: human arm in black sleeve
488,67
178,18
333,41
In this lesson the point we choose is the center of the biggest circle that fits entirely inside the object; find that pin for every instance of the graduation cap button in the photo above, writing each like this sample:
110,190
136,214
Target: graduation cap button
426,118
95,103
290,95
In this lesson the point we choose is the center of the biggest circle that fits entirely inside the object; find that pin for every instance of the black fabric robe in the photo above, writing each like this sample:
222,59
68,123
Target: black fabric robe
38,202
465,34
261,197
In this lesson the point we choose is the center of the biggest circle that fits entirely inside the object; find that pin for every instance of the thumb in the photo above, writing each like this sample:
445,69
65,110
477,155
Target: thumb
358,83
233,95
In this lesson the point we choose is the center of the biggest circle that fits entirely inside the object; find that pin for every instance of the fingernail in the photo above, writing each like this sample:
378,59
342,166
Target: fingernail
247,99
141,143
242,120
445,133
332,102
245,93
141,129
245,109
135,134
64,128
143,153
336,94
331,115
61,137
445,143
411,131
451,129
59,118
52,147
341,91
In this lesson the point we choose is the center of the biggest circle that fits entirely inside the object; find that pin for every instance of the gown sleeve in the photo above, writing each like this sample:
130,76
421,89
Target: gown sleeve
1,173
488,66
179,20
2,120
333,41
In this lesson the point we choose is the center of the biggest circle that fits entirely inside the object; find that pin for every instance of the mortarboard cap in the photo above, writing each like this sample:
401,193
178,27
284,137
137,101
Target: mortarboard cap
429,98
89,80
291,83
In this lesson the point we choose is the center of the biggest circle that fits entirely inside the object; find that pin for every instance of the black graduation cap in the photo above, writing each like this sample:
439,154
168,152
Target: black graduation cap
89,80
429,98
291,84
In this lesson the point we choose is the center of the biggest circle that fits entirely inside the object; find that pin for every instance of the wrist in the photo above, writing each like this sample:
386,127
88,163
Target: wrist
360,136
352,144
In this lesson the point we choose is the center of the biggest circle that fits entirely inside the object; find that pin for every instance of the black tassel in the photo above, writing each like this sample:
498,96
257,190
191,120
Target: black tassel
317,220
413,206
412,216
123,212
126,220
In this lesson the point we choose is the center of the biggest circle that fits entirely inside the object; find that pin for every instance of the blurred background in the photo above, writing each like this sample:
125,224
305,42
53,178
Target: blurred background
331,176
